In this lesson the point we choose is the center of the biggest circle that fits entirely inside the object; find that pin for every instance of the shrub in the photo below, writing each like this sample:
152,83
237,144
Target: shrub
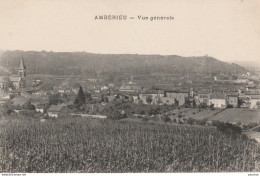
230,106
145,119
202,122
166,119
190,121
227,128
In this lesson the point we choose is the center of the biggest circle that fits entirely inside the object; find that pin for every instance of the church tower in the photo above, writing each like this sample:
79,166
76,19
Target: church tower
22,69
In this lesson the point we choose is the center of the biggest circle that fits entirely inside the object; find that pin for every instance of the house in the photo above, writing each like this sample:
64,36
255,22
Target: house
203,97
130,88
154,96
253,88
36,82
40,93
14,81
254,100
136,99
21,102
57,110
31,89
110,98
5,83
63,91
104,88
241,80
232,100
218,100
25,94
124,97
40,108
6,96
167,100
74,89
41,104
180,97
94,80
111,86
244,100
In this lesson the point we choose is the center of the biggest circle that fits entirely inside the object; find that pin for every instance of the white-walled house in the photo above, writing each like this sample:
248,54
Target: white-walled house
218,100
254,101
40,108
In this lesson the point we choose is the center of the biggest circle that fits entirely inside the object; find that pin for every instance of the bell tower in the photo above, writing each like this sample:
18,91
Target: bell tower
22,69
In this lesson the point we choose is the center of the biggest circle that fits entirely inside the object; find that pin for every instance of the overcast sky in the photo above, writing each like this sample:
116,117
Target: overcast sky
226,29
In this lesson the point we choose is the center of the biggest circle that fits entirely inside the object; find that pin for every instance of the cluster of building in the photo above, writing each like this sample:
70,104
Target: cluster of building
13,89
218,98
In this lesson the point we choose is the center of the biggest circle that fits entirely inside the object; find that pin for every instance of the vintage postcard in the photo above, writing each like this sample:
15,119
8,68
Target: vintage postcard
169,86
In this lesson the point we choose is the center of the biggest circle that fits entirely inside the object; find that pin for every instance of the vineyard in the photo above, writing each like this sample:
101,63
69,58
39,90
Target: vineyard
92,145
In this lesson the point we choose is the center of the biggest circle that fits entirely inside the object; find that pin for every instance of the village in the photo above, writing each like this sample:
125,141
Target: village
188,98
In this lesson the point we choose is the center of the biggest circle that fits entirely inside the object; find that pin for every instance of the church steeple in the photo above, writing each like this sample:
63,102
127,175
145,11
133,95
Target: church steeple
22,69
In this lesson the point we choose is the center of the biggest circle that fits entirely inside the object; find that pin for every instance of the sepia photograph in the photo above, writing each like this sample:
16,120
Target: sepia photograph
158,86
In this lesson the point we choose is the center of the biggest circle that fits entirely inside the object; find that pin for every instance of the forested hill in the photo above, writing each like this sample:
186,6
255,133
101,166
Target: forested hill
59,63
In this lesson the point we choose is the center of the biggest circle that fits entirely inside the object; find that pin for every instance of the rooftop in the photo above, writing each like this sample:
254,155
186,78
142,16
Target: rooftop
56,108
218,95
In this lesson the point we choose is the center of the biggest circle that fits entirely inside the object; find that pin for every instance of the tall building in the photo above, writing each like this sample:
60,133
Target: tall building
22,69
14,81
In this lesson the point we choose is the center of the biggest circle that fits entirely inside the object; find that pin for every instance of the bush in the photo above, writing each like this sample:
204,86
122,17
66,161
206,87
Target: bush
227,128
190,121
203,106
166,119
145,119
202,122
230,106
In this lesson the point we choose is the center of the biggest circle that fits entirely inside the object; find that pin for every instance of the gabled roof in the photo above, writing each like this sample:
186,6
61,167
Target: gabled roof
15,78
111,97
40,106
255,96
130,87
251,93
218,95
153,92
19,101
4,79
204,91
232,94
177,91
56,108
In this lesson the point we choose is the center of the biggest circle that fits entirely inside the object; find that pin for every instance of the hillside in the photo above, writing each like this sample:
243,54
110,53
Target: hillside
104,146
92,64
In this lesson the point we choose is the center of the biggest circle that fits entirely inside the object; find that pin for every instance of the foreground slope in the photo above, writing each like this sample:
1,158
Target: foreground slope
88,145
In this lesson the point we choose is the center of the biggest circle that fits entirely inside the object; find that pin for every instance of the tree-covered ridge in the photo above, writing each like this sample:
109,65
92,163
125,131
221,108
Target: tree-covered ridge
60,63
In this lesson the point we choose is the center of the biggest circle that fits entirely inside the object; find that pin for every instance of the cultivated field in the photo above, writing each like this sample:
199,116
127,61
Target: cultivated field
238,115
195,113
92,145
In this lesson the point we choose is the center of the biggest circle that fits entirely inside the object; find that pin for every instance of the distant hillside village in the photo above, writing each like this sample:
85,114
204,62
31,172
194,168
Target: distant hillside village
56,97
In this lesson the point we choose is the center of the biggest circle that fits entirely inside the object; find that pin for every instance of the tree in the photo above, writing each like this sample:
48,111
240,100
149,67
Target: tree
80,99
159,101
88,96
258,104
190,121
55,99
149,99
140,101
166,119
